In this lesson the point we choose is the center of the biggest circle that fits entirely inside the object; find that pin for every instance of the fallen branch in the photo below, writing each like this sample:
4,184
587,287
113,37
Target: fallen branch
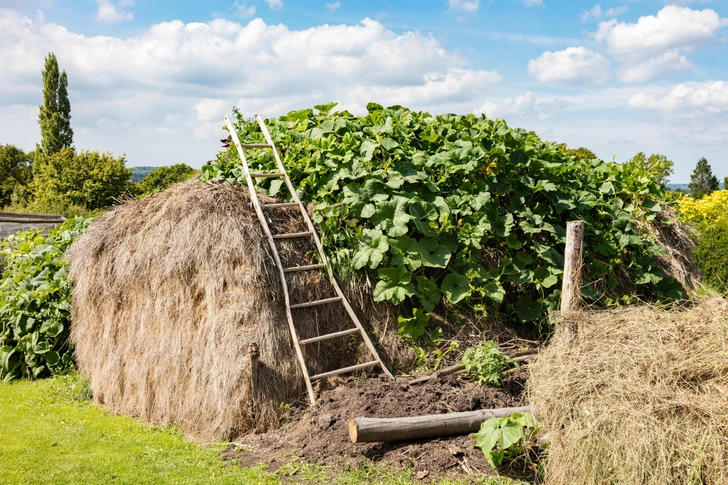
368,430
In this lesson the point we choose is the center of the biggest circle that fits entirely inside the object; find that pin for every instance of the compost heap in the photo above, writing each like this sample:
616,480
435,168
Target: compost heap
640,396
170,291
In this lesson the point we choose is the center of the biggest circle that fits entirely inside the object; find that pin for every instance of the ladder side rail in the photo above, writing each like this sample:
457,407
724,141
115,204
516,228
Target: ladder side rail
319,246
276,258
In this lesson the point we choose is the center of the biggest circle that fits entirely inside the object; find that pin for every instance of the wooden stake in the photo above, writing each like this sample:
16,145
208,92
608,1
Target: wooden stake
254,354
369,430
571,289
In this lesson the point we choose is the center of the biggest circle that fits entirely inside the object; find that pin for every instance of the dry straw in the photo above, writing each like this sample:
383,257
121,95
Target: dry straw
639,397
170,290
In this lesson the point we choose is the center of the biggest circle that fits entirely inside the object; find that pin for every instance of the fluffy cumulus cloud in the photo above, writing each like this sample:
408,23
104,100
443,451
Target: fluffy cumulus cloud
114,13
181,78
464,5
668,63
673,27
655,45
574,65
687,100
243,10
332,7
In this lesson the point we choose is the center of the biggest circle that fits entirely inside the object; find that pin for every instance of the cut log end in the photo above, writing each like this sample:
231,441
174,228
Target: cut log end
353,431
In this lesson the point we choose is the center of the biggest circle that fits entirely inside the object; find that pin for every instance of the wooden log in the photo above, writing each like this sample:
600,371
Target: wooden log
444,372
571,288
369,430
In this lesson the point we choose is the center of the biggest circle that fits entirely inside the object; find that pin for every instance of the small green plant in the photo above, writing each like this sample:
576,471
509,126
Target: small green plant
485,363
285,409
510,441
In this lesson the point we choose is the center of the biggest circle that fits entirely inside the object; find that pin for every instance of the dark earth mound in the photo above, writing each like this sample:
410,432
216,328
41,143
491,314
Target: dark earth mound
320,434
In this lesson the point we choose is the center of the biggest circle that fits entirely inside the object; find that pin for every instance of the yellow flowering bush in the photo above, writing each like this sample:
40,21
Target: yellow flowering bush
710,209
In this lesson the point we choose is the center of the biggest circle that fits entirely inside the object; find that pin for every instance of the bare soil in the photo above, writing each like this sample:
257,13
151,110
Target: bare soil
320,435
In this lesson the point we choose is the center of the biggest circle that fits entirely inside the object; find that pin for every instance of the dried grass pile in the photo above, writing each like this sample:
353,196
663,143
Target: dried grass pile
170,290
639,397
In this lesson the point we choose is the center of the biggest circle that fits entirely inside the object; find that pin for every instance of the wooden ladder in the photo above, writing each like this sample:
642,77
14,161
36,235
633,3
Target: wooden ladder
311,232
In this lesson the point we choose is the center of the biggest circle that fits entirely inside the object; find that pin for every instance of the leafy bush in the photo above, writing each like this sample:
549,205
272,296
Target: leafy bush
162,177
485,363
35,302
460,208
711,254
67,182
709,216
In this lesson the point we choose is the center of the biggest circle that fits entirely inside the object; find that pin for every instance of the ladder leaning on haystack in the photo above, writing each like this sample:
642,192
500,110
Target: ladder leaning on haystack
311,232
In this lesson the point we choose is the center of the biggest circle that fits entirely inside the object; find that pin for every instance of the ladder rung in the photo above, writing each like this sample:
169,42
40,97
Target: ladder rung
279,204
291,235
328,336
316,303
255,145
344,370
265,175
293,269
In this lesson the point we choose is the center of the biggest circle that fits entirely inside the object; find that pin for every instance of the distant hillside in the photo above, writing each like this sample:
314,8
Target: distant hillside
138,173
678,187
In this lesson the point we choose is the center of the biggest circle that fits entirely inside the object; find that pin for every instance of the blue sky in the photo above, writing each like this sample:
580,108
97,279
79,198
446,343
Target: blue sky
152,79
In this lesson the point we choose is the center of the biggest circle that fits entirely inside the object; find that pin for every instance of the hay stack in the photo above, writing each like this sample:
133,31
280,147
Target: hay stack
640,397
169,292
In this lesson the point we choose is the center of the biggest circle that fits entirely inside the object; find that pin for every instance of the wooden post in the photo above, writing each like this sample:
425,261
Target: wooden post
571,288
368,430
254,354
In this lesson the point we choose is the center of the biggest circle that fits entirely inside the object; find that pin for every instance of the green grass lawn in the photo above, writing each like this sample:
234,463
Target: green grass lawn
50,433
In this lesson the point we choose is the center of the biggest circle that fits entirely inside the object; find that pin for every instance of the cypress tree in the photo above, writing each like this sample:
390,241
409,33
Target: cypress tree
55,112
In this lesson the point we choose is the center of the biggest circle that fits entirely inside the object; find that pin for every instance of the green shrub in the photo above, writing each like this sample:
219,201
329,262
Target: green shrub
162,177
35,302
485,363
460,209
711,254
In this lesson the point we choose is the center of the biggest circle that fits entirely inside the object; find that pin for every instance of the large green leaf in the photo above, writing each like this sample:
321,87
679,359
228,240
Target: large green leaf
455,287
433,254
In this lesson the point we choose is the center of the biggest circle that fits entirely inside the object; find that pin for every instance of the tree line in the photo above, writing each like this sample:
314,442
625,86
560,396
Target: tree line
57,178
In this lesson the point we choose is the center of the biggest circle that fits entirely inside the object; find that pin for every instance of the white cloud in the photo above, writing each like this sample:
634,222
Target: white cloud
668,63
464,5
108,12
243,10
686,100
574,65
596,12
523,107
274,4
593,13
533,3
181,78
672,28
332,7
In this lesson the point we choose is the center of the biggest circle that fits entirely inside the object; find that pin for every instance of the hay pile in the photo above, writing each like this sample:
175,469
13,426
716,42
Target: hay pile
640,397
169,292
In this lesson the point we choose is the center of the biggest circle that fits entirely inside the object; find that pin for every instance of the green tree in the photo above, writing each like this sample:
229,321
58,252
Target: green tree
163,177
725,183
702,181
658,165
90,180
55,112
15,171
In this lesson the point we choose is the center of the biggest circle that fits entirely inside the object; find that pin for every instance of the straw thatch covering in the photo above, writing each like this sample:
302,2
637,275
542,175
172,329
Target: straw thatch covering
169,292
639,397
